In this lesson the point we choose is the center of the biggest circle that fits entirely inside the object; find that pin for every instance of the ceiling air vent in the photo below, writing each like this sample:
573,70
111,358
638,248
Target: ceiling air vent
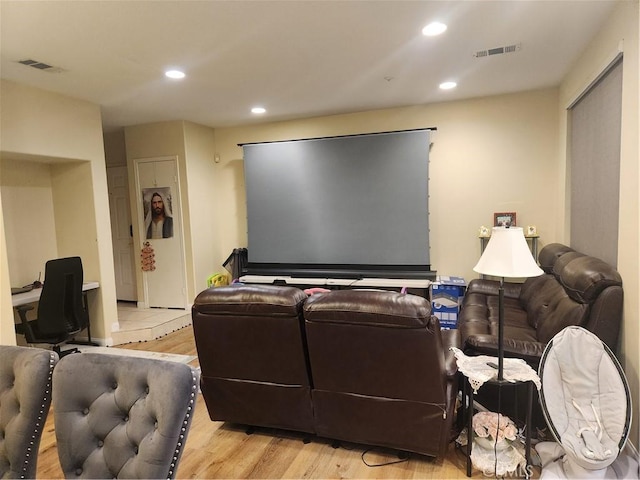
45,67
497,51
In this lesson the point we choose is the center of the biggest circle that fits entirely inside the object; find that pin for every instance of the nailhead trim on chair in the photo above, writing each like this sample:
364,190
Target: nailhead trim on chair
185,424
36,433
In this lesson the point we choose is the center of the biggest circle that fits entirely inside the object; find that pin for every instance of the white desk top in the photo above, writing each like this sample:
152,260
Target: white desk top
34,295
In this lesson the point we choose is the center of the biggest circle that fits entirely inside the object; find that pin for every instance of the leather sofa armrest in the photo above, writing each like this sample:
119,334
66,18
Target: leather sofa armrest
605,318
450,338
528,350
490,287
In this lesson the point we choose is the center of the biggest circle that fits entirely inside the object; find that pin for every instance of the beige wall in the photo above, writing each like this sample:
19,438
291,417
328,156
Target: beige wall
203,204
36,122
619,34
27,203
488,155
58,142
115,153
7,332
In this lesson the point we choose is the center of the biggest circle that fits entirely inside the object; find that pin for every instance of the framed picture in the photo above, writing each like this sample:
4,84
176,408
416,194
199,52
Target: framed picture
158,216
503,219
532,230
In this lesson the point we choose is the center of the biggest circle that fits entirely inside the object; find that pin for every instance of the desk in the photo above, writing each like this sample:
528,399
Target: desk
34,295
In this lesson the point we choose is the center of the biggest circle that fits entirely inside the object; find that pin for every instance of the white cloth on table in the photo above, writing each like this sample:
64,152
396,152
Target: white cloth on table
477,370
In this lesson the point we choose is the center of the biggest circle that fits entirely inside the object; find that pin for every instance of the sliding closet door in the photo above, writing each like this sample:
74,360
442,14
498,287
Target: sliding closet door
594,142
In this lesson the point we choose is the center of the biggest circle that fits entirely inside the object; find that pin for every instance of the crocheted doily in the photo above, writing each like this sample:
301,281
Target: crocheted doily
477,370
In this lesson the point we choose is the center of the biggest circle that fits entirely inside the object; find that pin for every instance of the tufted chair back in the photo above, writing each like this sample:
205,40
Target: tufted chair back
25,396
122,417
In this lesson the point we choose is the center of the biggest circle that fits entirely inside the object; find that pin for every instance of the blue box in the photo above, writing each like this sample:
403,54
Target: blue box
446,297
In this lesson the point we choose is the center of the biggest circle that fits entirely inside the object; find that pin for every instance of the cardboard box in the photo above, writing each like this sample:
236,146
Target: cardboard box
446,297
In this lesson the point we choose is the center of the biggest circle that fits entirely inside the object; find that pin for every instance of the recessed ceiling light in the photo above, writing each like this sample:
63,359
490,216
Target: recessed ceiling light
433,29
258,110
448,85
175,74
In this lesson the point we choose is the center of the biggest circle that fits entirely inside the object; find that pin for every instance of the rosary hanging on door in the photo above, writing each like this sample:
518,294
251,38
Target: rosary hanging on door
148,258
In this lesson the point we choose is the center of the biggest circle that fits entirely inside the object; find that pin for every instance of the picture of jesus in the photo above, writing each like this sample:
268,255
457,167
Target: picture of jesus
158,218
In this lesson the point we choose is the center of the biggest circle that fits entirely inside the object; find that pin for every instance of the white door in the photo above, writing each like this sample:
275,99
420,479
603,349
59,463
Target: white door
123,258
161,226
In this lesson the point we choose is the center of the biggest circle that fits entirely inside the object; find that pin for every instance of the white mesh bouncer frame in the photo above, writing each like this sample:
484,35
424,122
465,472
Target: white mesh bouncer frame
585,399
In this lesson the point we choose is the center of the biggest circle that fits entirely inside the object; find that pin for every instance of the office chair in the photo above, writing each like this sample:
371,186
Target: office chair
122,417
61,311
25,396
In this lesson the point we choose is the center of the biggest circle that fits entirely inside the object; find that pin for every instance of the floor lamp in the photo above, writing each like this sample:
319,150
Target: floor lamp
507,255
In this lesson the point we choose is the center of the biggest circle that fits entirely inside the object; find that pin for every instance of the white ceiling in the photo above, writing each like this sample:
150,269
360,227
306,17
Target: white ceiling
296,58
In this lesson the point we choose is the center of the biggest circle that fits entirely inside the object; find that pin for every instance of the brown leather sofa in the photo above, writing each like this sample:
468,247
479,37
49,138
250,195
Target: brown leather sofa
576,289
382,370
252,352
368,367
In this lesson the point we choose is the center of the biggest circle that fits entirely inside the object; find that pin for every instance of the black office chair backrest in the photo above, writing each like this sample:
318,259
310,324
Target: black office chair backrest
61,307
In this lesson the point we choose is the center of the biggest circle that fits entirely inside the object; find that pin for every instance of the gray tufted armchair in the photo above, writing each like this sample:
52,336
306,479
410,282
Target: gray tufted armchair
25,397
122,417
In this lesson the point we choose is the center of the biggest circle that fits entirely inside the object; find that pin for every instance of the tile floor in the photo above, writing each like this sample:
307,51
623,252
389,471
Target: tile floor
143,324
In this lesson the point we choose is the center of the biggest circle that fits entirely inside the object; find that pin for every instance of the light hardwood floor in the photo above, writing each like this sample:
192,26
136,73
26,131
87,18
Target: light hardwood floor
222,450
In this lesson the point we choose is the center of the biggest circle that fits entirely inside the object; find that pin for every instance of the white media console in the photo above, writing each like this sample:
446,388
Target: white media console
414,286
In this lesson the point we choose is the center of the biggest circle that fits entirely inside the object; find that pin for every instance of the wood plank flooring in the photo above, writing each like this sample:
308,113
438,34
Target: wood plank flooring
222,450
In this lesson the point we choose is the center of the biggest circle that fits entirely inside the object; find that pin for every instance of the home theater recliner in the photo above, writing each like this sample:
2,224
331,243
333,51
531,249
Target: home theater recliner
382,370
362,366
252,352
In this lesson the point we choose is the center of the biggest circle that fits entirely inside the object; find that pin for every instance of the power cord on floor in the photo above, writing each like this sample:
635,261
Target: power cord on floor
404,457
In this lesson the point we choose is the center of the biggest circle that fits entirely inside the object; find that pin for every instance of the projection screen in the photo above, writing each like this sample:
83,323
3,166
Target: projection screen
356,204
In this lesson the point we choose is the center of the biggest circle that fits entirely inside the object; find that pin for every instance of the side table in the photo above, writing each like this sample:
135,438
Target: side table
476,372
467,412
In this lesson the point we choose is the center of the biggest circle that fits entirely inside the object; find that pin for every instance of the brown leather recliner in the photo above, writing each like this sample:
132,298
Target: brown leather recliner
252,352
382,370
576,289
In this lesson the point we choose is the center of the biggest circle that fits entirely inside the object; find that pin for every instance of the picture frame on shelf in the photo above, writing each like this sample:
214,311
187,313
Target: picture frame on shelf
504,219
531,231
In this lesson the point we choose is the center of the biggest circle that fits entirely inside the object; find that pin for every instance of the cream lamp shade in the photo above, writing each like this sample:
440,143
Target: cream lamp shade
507,255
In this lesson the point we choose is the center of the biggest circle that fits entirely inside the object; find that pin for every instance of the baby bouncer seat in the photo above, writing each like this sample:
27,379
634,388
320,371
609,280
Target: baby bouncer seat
586,402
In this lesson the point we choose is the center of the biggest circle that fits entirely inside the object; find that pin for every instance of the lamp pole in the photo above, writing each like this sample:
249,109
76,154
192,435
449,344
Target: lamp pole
501,330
